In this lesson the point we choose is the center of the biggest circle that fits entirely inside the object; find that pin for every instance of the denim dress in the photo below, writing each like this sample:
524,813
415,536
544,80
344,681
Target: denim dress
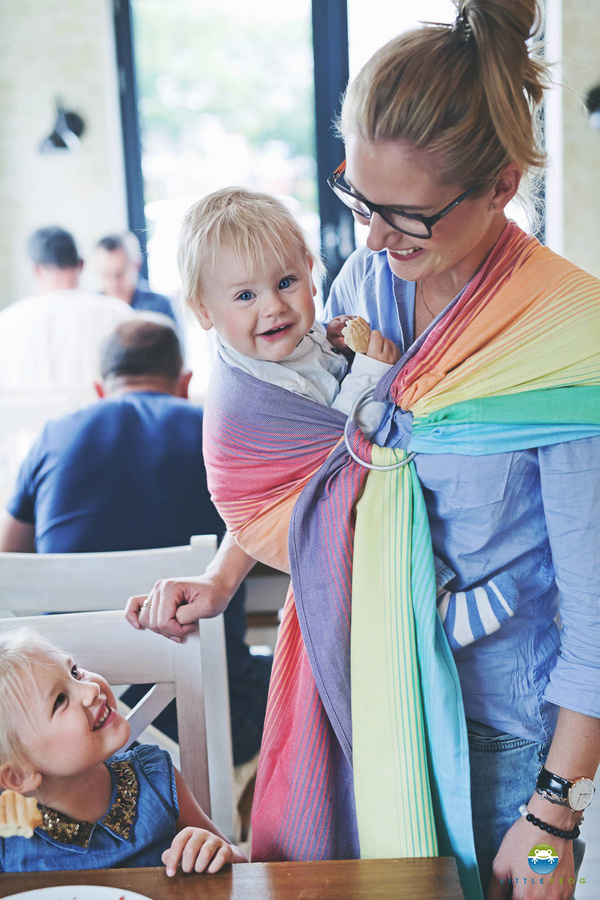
140,824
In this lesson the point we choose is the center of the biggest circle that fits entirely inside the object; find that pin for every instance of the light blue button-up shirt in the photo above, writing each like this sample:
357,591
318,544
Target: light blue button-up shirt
534,514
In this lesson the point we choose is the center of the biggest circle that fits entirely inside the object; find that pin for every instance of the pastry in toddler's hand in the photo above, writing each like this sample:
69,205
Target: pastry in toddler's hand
19,815
356,334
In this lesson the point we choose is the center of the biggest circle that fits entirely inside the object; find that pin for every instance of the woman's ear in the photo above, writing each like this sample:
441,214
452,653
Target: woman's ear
507,185
14,778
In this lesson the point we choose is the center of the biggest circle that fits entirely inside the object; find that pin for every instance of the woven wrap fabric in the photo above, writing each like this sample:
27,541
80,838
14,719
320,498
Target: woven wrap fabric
287,487
513,363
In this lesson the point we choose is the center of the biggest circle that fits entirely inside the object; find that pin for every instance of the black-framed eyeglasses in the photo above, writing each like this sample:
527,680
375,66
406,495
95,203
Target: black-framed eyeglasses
412,224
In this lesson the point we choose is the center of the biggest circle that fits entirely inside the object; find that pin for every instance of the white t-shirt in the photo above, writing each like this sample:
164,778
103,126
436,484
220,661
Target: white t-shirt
52,341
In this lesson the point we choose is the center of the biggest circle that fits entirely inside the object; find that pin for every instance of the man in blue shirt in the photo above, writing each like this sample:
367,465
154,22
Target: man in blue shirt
118,260
127,473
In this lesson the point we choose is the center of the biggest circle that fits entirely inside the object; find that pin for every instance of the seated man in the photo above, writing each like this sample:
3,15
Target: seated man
118,260
127,473
52,340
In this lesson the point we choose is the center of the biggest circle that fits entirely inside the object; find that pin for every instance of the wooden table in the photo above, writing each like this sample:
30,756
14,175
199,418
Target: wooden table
373,879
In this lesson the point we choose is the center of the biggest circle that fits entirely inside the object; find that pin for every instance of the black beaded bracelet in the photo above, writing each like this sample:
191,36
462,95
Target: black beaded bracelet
551,829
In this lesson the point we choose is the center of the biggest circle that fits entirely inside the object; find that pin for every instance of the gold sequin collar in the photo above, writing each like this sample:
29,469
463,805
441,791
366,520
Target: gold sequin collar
119,819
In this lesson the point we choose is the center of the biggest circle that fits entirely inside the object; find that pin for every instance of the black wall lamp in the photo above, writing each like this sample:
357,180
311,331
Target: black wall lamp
592,104
68,129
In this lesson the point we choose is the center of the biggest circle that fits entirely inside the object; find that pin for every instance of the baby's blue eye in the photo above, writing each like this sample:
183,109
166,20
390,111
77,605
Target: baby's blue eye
285,283
76,672
245,295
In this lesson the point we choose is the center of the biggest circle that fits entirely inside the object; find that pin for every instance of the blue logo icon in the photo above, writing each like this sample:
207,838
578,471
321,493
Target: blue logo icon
543,859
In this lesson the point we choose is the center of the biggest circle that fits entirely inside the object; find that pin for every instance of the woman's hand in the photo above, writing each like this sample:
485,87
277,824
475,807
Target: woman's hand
173,607
511,865
199,850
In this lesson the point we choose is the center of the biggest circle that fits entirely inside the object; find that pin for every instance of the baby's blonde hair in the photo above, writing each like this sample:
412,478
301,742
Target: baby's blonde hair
250,223
22,652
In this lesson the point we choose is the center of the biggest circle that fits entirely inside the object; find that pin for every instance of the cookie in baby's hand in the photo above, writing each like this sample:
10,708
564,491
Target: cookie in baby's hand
19,815
356,334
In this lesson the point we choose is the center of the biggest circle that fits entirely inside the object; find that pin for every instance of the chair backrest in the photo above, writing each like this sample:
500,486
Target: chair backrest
194,672
33,583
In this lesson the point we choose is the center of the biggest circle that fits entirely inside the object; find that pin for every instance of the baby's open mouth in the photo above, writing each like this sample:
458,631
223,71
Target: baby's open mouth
274,331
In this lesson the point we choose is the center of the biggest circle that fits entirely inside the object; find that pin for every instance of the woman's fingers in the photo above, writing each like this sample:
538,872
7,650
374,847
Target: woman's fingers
133,608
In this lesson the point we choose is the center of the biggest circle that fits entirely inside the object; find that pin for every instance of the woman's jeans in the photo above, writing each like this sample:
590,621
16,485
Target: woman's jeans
504,770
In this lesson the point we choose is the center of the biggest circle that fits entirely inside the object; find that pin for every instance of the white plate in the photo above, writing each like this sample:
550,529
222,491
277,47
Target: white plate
79,892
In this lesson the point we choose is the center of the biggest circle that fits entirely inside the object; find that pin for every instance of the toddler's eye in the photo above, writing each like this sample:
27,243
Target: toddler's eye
245,295
76,672
286,282
59,702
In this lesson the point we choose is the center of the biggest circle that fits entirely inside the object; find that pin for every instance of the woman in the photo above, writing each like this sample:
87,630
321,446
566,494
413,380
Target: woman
438,125
439,130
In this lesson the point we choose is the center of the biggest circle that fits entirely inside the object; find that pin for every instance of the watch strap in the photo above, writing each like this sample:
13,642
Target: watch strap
548,781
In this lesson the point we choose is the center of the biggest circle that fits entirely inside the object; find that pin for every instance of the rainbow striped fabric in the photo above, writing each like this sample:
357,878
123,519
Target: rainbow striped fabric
514,363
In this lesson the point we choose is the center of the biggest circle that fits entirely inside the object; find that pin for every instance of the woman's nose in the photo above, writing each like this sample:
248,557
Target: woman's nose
378,237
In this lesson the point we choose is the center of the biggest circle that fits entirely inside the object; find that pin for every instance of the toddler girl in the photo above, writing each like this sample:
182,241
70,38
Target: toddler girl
61,733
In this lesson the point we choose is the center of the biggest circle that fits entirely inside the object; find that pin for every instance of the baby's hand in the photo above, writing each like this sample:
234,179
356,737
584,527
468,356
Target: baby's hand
199,850
382,349
334,333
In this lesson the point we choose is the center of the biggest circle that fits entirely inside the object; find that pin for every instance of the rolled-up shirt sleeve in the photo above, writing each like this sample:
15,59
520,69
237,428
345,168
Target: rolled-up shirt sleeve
570,483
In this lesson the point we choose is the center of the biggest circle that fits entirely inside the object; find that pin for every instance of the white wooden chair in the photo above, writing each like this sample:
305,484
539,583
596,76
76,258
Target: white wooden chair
194,672
34,583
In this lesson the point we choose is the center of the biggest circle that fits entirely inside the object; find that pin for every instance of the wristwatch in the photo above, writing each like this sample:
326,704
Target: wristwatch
577,794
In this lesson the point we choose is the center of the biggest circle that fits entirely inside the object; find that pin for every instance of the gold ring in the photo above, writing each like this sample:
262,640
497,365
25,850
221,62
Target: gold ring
147,603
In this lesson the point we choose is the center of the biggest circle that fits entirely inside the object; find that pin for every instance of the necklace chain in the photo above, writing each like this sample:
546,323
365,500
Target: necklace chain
424,301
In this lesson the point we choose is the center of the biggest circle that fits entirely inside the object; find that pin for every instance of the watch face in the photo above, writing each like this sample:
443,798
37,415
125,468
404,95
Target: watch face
581,793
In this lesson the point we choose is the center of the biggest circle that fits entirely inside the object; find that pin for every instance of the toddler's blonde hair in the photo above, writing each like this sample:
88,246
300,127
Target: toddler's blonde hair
248,222
22,653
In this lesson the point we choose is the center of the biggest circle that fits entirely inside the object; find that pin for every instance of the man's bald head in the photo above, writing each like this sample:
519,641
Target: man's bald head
140,352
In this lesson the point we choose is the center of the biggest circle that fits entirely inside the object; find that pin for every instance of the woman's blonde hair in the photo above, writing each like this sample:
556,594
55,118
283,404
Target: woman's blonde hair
250,223
467,93
22,653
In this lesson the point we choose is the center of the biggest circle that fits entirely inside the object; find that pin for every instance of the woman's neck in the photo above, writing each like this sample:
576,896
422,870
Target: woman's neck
85,796
435,292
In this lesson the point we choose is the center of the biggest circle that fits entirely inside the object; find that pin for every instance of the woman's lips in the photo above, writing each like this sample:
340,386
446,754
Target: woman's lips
404,256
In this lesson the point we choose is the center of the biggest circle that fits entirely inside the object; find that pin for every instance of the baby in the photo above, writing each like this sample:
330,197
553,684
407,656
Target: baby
246,271
61,733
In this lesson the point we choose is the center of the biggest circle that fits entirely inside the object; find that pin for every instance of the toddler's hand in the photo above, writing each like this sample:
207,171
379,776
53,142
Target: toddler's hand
382,349
334,333
199,850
